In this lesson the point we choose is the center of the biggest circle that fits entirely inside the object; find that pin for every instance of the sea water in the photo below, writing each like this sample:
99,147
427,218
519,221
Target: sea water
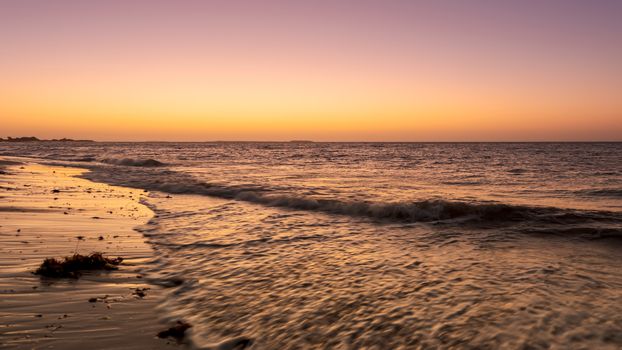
377,245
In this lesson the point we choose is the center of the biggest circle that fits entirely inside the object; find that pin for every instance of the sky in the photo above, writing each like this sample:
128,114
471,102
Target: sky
323,70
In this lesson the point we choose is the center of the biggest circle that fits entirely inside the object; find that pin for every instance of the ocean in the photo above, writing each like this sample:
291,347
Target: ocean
377,245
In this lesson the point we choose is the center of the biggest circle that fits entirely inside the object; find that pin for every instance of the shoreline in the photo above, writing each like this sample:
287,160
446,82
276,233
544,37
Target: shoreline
47,211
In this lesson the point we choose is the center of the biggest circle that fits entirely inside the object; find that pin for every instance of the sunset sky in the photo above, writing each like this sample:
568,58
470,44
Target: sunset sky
356,70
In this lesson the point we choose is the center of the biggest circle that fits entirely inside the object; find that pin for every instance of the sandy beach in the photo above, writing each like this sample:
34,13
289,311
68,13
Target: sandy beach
48,212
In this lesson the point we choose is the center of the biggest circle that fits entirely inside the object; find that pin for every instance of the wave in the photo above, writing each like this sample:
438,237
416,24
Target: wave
4,164
602,192
84,159
435,210
131,162
431,210
419,211
588,232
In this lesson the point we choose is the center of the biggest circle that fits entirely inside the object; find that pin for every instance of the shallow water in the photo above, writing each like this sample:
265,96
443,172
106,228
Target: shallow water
379,245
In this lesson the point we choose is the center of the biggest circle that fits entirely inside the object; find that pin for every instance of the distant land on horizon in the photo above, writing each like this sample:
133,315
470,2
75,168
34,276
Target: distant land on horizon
35,139
64,139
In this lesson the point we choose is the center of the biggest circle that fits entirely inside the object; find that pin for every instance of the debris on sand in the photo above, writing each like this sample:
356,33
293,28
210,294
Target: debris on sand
55,191
140,292
178,331
72,266
101,238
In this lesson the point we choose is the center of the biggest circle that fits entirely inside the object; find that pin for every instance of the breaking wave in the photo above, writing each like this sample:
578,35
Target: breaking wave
131,162
432,210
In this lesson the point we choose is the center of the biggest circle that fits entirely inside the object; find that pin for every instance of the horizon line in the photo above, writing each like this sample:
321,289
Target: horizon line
312,141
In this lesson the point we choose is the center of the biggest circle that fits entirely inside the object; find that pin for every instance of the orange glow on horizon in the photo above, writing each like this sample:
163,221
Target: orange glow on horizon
285,81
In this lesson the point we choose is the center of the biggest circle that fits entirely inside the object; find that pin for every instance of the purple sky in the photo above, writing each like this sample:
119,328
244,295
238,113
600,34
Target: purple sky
519,69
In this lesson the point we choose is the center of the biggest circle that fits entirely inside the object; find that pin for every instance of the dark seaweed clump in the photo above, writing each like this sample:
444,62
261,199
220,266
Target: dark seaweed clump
72,266
178,331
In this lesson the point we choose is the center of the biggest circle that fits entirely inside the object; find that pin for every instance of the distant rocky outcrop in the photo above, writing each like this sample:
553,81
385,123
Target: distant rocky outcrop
35,139
20,139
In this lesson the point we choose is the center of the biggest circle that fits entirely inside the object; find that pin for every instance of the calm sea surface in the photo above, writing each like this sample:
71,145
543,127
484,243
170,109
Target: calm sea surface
378,245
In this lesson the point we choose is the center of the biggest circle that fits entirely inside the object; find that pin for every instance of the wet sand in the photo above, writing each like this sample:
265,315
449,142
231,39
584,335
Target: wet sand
47,212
